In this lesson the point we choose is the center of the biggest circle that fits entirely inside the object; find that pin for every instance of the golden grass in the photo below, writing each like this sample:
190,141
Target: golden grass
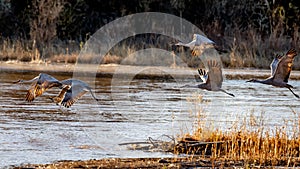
250,142
245,49
14,50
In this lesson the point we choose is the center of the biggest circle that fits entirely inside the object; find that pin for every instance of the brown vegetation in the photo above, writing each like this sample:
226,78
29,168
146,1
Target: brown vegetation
251,142
252,33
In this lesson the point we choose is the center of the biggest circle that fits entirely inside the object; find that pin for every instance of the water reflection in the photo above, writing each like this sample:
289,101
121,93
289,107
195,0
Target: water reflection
41,131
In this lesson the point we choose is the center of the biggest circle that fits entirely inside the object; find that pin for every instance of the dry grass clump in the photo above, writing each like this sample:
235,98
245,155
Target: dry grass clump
22,50
14,50
254,147
64,58
85,58
250,141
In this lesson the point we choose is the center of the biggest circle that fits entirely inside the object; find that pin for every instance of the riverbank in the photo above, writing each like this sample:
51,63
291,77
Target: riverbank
170,163
109,70
125,163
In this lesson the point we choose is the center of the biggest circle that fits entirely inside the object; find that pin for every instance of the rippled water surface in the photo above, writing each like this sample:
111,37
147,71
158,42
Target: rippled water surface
42,132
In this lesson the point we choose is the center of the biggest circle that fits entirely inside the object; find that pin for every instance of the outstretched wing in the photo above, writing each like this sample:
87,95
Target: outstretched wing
39,86
203,75
72,95
215,77
201,40
59,98
284,67
33,92
274,64
201,43
198,44
75,83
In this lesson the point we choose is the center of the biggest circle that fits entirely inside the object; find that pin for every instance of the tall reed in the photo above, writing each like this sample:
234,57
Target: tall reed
249,141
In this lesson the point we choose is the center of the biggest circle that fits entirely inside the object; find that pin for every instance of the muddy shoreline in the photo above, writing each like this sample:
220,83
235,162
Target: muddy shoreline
176,162
140,72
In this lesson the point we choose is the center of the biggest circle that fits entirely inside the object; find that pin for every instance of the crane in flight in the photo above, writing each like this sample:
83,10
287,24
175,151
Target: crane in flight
281,68
198,44
39,85
72,90
213,79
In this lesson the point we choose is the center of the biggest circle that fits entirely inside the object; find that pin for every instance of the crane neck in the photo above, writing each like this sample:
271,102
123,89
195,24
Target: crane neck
266,81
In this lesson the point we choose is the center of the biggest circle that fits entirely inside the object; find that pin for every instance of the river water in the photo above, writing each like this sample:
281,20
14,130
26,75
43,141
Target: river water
42,132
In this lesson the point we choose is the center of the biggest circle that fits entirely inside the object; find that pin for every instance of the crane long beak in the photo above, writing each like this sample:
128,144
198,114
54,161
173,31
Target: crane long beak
18,81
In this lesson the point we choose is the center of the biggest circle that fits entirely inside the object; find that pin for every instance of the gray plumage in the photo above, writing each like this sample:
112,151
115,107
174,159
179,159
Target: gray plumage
198,44
73,90
274,64
281,68
213,79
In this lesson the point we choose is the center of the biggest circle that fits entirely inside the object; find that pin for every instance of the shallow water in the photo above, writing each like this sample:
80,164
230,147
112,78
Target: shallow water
42,132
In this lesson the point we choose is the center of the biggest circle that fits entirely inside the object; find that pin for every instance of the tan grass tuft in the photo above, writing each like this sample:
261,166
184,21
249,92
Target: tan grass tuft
251,141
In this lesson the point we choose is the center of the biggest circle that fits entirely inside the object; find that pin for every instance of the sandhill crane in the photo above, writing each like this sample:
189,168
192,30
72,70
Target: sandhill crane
39,85
72,90
198,44
281,68
212,80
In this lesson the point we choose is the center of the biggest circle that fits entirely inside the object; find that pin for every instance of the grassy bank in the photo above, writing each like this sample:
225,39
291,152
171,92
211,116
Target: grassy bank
248,141
244,49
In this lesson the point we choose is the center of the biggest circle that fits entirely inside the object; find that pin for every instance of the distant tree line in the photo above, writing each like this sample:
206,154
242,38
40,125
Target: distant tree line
45,21
77,18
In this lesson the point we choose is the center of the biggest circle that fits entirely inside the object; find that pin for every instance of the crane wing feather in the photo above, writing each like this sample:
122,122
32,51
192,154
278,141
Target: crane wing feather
215,77
284,67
